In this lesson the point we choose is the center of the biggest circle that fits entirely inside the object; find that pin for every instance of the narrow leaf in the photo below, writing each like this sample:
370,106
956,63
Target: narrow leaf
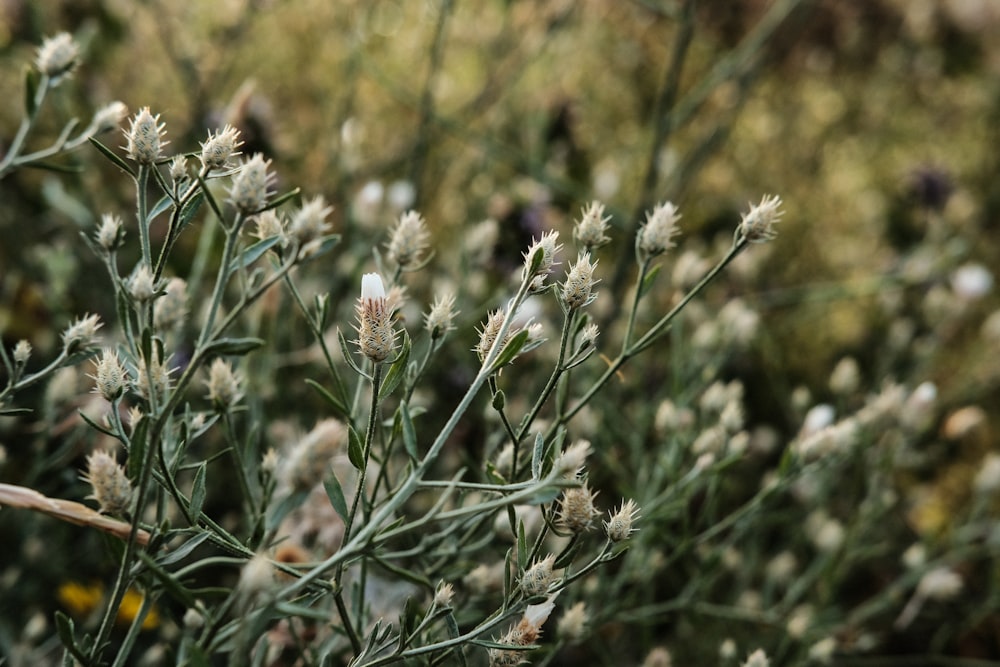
396,371
348,357
536,456
191,209
253,253
164,204
198,492
110,154
510,350
30,91
334,402
355,449
522,546
647,282
281,199
409,433
233,346
335,492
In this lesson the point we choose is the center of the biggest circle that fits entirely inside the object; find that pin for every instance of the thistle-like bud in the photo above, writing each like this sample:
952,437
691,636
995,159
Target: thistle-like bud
571,461
171,308
179,170
57,57
548,246
591,230
111,487
220,147
309,222
22,352
269,224
376,337
757,225
223,385
110,377
152,378
145,137
576,509
109,117
250,188
439,320
526,632
577,291
443,595
141,287
111,234
573,625
536,579
408,241
619,527
488,334
81,334
656,234
588,337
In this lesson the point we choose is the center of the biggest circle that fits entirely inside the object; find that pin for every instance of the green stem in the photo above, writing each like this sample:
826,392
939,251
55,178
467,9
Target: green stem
22,131
222,278
141,183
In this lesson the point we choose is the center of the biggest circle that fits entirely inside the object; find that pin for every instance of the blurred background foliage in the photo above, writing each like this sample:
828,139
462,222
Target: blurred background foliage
877,121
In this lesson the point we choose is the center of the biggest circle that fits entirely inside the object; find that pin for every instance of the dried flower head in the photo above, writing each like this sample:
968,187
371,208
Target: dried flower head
577,291
109,117
220,147
145,137
572,627
576,509
269,224
439,319
111,234
376,337
223,385
488,334
619,527
152,378
251,184
172,307
110,377
536,579
111,487
591,230
588,336
443,595
548,246
525,633
81,334
179,170
309,222
309,460
57,57
571,461
408,241
141,286
757,225
22,352
657,233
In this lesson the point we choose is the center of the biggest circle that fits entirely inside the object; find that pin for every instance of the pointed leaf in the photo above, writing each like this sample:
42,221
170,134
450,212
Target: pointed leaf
281,199
198,492
282,509
253,253
335,492
409,433
355,449
396,371
348,357
163,205
536,456
111,155
499,400
233,346
647,282
334,402
191,209
30,92
53,166
522,546
510,350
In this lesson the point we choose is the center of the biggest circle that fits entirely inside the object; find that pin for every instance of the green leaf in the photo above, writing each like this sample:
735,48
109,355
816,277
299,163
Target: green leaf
355,449
348,357
163,205
334,402
233,346
543,495
15,411
281,199
396,371
183,551
53,166
522,546
253,253
326,244
499,400
409,433
198,492
335,492
536,456
108,153
647,282
191,209
30,91
282,509
66,632
137,452
510,350
453,632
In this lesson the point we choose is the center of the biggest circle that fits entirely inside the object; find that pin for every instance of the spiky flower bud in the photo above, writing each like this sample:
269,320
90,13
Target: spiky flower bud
656,234
591,230
220,147
577,291
109,117
439,320
588,337
141,287
111,234
269,224
223,385
110,378
525,633
536,579
757,225
171,308
619,527
145,137
81,334
309,461
309,222
376,337
179,170
111,487
571,461
408,241
57,57
573,625
576,509
488,334
443,595
250,188
152,378
22,352
548,246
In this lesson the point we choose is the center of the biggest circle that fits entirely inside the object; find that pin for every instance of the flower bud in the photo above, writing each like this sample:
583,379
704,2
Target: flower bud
576,509
57,57
110,379
22,352
172,307
757,225
141,287
619,527
220,147
223,385
536,579
109,117
145,137
111,487
81,333
376,337
577,291
408,240
309,222
438,321
572,627
548,246
591,230
111,234
657,233
249,191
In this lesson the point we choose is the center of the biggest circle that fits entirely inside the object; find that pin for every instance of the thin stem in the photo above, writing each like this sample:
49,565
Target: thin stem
141,183
26,124
222,278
